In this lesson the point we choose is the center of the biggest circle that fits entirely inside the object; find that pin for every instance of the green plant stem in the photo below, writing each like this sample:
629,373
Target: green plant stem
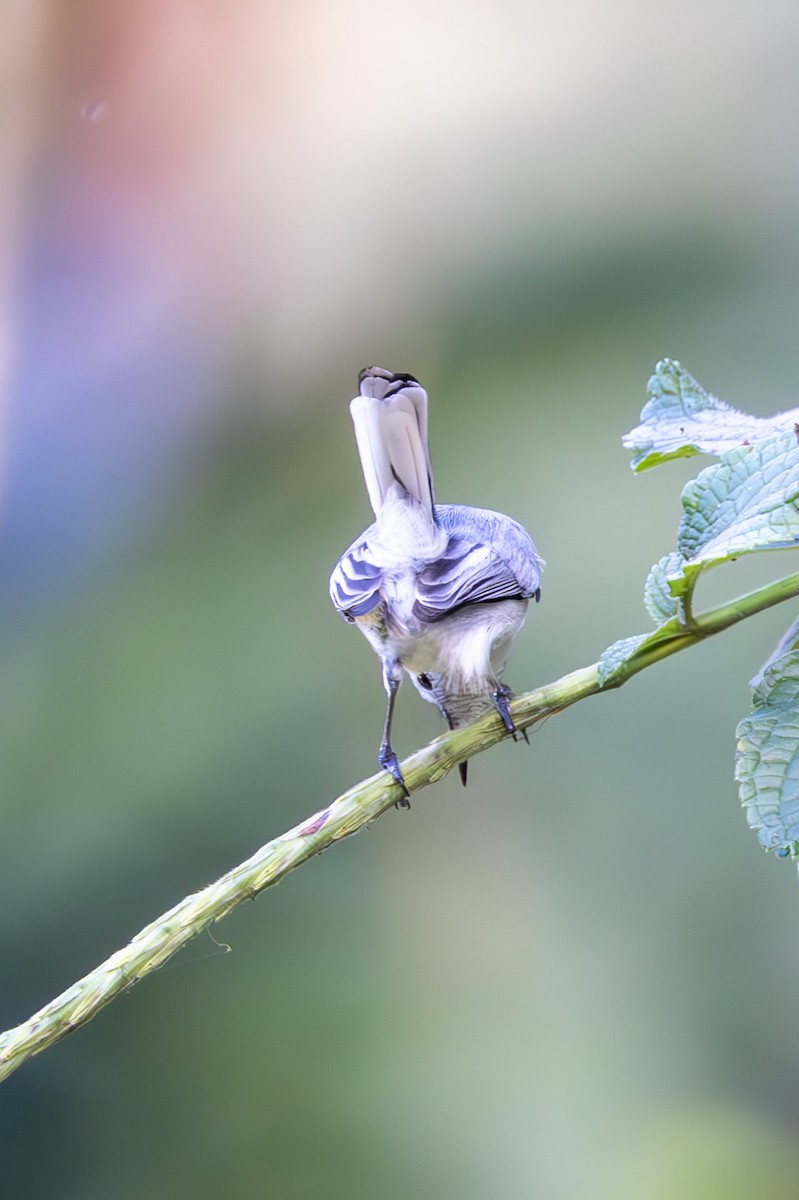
160,940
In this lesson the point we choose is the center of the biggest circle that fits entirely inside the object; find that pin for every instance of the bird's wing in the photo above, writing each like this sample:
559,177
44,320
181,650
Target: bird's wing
355,582
488,557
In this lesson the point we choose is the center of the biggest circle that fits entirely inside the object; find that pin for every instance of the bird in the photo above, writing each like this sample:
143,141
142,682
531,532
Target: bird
440,591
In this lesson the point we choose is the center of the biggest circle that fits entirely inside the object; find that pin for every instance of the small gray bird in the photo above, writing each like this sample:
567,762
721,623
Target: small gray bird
439,590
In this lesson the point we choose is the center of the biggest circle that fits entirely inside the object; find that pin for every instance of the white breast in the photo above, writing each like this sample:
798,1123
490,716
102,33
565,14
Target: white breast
468,647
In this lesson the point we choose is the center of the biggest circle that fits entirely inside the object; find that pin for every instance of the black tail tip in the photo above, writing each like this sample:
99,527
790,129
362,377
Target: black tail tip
462,771
377,382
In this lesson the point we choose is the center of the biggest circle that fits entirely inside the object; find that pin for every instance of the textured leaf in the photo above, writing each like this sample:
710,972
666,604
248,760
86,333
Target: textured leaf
748,501
681,418
767,758
789,641
618,653
659,596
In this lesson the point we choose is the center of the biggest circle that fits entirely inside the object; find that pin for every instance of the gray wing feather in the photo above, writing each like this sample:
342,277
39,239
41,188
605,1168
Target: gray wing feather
356,581
488,557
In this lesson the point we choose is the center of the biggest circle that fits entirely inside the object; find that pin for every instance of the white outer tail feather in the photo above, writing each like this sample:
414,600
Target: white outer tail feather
391,433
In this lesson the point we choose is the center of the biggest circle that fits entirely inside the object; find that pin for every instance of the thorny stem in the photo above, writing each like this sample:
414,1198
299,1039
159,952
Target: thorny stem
160,940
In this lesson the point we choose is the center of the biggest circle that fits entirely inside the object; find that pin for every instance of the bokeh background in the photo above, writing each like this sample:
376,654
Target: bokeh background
577,978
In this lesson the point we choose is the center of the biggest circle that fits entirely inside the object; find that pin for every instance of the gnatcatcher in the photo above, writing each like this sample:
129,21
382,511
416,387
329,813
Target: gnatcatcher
439,590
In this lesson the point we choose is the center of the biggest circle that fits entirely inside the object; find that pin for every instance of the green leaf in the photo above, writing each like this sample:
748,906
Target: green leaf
617,654
748,501
788,641
681,418
659,595
767,757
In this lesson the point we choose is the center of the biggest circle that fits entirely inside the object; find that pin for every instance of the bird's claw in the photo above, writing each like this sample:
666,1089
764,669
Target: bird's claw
389,762
501,697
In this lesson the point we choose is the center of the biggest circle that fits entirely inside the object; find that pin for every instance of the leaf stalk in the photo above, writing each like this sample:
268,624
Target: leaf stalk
355,809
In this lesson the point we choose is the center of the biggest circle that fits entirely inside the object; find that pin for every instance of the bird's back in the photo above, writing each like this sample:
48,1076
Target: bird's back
484,556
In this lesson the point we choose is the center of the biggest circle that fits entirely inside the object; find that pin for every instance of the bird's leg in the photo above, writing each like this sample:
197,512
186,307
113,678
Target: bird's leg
386,756
501,696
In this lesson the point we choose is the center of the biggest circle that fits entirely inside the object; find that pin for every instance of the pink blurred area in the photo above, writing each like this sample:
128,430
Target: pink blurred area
124,254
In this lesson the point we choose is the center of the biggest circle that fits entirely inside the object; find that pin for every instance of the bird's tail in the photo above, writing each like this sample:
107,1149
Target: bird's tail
390,418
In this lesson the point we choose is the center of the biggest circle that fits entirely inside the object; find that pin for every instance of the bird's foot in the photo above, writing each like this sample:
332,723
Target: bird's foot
502,697
389,762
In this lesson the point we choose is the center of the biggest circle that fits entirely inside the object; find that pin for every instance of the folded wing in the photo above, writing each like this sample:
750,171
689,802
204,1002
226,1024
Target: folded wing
355,582
488,557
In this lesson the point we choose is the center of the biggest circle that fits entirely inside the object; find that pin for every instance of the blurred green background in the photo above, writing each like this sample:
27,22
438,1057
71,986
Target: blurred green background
577,978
